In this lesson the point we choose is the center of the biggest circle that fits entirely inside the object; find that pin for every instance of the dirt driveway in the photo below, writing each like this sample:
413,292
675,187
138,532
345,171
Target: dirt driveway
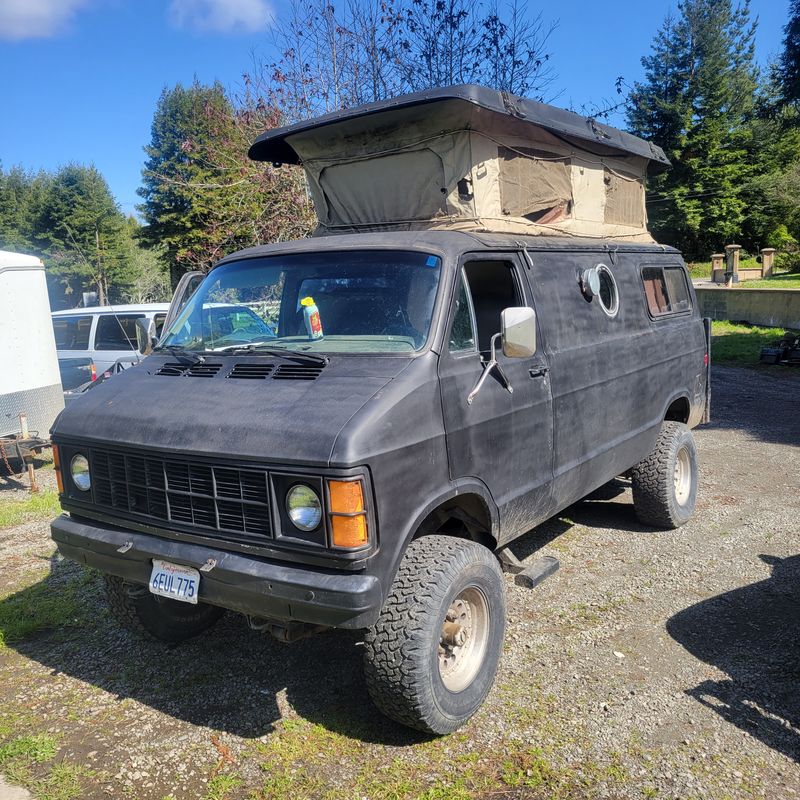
652,665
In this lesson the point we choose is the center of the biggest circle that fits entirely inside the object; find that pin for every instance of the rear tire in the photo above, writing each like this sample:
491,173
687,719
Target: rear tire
665,483
154,617
431,658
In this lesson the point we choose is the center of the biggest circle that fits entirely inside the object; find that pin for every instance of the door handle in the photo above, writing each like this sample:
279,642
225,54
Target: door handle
538,372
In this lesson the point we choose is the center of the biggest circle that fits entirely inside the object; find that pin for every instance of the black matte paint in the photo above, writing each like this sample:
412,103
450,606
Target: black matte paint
585,408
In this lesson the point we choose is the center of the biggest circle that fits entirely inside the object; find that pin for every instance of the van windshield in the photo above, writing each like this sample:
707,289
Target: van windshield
369,301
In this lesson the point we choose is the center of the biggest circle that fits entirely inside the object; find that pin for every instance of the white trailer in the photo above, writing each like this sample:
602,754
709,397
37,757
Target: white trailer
30,383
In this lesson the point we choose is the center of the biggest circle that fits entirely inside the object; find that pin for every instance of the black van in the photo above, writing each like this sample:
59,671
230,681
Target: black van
466,387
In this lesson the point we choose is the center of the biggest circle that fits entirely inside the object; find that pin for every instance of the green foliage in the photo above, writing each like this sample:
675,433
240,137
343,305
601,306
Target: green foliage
37,748
698,93
202,196
789,63
56,602
736,343
72,221
42,505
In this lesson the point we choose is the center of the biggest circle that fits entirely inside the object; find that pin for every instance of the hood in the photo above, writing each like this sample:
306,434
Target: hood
291,414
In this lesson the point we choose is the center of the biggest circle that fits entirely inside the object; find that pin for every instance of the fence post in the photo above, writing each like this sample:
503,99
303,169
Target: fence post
717,267
732,256
767,261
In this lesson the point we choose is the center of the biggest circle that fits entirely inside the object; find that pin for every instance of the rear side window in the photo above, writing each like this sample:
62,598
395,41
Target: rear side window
666,290
116,332
72,333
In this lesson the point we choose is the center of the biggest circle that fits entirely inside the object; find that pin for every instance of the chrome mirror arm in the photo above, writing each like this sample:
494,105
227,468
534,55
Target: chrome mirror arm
488,366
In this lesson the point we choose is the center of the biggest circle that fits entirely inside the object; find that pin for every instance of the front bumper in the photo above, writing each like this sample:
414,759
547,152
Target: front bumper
282,592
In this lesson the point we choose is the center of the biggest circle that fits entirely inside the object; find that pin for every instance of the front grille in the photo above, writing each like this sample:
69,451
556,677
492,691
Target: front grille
230,501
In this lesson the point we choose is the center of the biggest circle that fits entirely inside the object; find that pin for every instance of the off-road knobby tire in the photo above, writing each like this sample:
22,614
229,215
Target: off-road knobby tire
157,618
653,484
401,660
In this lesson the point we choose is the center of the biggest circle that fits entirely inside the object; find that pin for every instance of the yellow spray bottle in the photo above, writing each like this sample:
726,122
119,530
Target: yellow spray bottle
311,316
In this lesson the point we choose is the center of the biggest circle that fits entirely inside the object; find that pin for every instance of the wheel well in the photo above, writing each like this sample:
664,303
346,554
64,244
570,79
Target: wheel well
678,410
465,517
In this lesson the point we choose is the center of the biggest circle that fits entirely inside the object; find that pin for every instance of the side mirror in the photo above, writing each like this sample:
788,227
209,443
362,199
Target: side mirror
145,335
518,326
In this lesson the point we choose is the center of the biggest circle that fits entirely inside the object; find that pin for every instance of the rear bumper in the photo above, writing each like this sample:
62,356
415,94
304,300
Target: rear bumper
249,585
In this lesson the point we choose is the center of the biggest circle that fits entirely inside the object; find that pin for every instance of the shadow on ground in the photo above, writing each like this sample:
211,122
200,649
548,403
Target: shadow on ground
753,635
756,401
228,679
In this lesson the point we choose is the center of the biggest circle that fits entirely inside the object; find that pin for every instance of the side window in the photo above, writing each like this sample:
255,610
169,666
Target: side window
72,333
678,290
492,287
666,290
116,332
462,334
159,320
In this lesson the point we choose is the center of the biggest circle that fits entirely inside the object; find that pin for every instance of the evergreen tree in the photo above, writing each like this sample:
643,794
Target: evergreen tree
695,101
178,186
81,230
203,197
789,63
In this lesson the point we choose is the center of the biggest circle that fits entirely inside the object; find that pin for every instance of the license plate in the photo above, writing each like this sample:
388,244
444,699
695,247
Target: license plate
174,581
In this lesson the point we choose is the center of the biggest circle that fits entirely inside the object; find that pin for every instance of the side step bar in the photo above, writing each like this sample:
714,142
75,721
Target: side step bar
527,576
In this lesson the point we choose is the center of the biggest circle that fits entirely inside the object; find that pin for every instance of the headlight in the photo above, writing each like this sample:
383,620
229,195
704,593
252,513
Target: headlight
303,507
79,470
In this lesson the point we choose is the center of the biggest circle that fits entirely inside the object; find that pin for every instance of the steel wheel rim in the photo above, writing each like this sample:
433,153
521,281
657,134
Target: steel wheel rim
682,476
463,639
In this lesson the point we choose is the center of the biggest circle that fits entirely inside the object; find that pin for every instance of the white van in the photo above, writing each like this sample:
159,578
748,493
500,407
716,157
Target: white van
105,334
29,379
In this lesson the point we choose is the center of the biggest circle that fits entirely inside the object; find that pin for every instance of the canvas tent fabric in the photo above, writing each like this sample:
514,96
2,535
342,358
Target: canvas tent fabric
468,158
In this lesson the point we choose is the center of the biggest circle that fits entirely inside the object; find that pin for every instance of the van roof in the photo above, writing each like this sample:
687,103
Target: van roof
117,309
273,145
446,242
9,259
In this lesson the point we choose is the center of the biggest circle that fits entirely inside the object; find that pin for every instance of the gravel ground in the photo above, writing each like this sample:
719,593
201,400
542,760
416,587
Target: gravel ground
651,665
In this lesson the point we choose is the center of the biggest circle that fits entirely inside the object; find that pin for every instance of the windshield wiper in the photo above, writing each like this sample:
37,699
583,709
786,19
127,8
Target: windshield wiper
179,352
281,352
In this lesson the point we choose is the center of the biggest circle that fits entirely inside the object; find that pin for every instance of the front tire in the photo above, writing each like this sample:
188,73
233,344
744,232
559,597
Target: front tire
431,658
665,483
154,617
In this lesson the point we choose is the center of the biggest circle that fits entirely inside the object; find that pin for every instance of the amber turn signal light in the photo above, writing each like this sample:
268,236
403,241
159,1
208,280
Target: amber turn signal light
349,531
57,469
348,513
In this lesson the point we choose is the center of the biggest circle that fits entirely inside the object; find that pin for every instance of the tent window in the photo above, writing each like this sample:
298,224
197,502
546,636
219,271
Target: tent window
624,199
533,184
396,187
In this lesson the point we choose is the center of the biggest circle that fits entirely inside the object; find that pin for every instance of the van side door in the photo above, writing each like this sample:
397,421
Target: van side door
504,439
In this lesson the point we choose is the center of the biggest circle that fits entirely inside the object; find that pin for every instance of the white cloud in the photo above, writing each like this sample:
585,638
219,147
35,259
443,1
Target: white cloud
36,19
221,16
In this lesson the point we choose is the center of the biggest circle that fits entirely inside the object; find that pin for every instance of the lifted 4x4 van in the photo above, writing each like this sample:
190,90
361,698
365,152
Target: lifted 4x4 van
496,336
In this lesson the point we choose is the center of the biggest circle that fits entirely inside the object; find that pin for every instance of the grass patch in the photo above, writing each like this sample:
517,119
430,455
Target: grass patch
737,343
56,602
785,280
221,785
701,270
42,505
36,748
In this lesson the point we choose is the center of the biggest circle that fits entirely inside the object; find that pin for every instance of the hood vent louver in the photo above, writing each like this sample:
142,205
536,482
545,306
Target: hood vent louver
251,371
297,372
199,370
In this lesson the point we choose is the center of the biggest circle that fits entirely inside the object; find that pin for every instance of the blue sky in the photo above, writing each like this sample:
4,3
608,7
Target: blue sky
80,78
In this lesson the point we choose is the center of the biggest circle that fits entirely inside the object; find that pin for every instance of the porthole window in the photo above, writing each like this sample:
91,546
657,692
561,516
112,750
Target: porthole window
608,296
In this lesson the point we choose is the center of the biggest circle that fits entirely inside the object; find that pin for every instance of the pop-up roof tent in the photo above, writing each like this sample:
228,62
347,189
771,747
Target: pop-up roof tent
469,158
